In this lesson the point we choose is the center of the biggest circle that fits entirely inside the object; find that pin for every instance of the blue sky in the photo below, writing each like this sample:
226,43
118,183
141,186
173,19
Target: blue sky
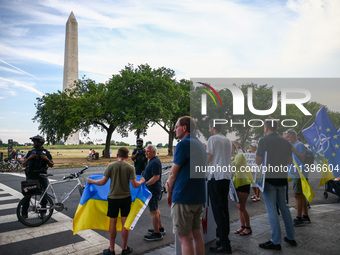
294,38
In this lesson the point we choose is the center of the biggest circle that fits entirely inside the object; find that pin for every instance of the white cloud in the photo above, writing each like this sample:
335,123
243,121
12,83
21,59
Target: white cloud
8,83
310,46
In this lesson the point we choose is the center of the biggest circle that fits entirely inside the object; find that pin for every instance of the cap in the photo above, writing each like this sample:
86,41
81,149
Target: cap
38,138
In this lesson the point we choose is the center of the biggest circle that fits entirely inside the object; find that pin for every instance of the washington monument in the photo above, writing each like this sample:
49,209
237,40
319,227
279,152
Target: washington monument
71,64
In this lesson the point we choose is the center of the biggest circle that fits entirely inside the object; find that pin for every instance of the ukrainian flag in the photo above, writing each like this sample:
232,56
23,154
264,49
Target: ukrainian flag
92,208
306,188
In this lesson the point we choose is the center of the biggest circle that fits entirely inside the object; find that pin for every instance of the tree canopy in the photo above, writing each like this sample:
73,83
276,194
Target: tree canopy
262,99
130,100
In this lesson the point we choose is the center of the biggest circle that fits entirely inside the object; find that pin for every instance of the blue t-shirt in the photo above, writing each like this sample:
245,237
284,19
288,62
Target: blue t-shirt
300,147
154,167
189,153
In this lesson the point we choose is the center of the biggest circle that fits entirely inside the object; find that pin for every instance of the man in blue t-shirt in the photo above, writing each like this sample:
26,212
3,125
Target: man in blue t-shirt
153,181
186,192
299,150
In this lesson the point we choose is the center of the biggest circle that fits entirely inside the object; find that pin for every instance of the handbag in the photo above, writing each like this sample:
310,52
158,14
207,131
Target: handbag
30,187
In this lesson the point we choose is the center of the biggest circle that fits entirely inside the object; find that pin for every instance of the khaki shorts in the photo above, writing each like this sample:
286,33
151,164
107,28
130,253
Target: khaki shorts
186,218
297,187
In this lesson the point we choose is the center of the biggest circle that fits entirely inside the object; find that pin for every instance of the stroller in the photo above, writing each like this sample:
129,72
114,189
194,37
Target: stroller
333,187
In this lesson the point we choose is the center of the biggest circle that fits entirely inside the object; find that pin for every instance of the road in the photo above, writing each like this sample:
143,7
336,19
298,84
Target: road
55,237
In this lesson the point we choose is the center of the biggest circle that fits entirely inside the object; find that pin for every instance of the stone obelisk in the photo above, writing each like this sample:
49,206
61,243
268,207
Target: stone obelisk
71,64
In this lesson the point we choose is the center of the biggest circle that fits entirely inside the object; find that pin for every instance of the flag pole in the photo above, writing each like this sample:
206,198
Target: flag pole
307,122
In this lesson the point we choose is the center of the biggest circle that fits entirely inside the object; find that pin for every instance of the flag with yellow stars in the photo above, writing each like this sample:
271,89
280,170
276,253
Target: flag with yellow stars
324,140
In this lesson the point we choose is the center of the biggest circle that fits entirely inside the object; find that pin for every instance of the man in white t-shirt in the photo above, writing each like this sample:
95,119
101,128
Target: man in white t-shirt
219,159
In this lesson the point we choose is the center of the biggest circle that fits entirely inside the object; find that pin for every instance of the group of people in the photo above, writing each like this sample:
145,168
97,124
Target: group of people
17,155
187,193
92,154
121,173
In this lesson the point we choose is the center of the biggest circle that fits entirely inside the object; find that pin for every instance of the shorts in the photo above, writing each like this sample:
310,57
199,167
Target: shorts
124,204
153,203
244,189
186,218
297,187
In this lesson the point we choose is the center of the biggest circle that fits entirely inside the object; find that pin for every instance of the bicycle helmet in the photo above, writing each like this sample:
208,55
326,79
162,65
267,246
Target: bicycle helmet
139,140
38,138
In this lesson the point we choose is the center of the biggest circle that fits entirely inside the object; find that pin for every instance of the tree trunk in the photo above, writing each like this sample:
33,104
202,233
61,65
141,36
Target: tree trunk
171,142
109,131
138,133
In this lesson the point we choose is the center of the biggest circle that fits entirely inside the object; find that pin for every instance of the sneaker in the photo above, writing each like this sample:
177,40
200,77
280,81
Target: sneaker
220,249
24,215
161,230
108,252
305,219
270,246
128,250
291,242
153,237
298,222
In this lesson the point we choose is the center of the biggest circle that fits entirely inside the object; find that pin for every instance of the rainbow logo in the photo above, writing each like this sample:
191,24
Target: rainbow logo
209,93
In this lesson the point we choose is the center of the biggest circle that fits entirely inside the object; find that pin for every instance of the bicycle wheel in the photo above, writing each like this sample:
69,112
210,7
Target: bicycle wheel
19,166
11,167
81,190
32,213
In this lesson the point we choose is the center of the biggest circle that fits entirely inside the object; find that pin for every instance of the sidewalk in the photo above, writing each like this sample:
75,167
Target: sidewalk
322,236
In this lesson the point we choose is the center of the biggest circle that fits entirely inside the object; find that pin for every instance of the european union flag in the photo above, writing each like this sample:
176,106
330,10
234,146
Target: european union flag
324,140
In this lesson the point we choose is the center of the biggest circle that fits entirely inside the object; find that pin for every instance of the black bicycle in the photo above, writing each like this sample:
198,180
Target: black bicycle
37,208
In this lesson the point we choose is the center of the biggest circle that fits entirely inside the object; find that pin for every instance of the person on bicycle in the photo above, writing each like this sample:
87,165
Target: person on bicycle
37,162
139,157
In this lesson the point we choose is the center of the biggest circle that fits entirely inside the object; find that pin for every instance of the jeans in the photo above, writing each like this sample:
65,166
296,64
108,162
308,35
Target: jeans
275,195
218,193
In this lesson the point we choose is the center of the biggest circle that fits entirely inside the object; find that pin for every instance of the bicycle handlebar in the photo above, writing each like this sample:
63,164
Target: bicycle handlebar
76,175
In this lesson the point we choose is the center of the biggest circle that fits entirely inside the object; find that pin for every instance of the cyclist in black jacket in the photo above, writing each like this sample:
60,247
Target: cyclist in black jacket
37,162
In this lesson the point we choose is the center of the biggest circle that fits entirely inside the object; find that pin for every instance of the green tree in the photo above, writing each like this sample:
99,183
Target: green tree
130,100
177,105
147,143
154,97
87,105
122,144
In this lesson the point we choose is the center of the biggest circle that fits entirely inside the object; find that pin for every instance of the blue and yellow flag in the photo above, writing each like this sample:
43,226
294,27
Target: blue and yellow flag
324,141
92,208
297,168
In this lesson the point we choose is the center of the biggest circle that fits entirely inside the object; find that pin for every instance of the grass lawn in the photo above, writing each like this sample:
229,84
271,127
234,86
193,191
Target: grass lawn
75,155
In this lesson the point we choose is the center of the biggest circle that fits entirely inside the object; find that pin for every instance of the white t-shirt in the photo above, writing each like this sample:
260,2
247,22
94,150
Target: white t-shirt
219,147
